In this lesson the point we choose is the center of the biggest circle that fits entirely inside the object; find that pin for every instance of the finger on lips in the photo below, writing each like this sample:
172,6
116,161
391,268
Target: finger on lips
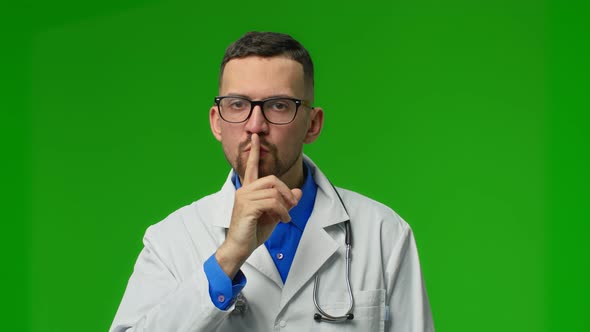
251,173
269,190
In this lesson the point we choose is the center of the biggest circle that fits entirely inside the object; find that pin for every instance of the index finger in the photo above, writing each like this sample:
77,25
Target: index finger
251,173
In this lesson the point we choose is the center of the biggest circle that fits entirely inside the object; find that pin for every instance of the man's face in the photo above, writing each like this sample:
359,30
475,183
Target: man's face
258,78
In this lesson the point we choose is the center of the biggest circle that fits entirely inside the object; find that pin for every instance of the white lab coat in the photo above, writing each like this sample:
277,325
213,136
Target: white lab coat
168,290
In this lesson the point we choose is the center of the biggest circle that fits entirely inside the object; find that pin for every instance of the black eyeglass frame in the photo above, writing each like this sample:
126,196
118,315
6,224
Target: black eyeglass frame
254,103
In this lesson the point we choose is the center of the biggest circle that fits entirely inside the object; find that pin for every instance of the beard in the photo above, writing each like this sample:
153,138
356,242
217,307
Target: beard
269,165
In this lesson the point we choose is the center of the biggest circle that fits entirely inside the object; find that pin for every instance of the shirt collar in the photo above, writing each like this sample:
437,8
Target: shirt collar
302,211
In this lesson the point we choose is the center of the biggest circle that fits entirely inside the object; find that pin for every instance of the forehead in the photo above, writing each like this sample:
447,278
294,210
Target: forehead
258,77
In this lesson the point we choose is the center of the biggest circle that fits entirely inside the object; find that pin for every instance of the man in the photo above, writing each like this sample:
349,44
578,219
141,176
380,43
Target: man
250,256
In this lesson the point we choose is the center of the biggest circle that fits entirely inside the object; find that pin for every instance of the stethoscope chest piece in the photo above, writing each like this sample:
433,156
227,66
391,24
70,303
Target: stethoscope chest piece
241,305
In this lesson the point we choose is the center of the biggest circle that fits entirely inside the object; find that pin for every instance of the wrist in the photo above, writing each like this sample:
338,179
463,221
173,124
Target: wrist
229,260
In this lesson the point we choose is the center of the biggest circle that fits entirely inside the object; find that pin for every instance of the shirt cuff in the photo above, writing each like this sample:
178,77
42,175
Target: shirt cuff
222,290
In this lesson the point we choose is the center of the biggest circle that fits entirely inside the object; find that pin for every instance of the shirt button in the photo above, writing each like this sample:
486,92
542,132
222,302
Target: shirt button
282,323
221,298
280,255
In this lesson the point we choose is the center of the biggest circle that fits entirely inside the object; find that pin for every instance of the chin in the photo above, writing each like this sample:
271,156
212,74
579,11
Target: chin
267,170
267,166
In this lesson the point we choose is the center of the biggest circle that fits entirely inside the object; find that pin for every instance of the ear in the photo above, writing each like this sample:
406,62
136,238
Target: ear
215,122
316,123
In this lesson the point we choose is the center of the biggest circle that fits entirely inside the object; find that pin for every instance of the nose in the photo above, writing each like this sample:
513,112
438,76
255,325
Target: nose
256,123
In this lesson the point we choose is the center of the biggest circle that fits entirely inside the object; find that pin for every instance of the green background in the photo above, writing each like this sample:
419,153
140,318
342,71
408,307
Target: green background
467,118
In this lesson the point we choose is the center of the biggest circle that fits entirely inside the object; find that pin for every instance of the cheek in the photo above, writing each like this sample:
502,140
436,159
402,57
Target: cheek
230,149
229,144
300,133
227,139
229,133
293,142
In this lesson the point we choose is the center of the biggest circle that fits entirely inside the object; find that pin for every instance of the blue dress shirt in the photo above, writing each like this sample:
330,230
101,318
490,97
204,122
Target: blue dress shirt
282,245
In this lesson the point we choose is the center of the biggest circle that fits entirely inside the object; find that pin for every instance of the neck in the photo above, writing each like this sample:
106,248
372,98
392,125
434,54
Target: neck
294,177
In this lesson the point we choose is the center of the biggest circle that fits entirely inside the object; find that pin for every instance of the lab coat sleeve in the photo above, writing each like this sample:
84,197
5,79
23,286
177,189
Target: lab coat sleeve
221,284
157,300
409,309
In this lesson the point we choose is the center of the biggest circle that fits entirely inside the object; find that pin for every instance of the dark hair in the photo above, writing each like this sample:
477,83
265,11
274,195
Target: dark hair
270,44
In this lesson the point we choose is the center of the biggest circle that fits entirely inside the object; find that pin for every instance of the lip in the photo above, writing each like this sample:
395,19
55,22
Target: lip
262,154
261,149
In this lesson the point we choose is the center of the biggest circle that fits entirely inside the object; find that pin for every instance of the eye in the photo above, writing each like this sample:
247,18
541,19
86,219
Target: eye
280,105
236,103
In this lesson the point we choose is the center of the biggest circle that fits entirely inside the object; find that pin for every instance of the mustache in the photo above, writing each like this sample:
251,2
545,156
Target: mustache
263,145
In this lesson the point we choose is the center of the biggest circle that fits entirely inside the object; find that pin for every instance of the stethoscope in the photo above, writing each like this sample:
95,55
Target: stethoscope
322,315
241,305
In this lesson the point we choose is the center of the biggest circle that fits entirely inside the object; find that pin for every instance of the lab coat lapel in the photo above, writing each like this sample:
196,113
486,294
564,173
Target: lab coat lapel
219,212
215,212
316,245
262,261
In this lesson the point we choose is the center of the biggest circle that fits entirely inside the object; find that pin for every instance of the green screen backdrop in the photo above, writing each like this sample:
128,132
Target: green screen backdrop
467,118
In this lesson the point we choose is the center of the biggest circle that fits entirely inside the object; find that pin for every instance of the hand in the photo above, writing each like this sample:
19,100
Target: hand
259,205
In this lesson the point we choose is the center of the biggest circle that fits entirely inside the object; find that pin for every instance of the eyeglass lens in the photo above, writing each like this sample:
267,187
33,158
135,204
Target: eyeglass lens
276,110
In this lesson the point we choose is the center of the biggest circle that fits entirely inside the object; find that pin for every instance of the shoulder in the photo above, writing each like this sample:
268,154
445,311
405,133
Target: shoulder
367,214
178,225
363,201
360,204
374,219
201,215
171,224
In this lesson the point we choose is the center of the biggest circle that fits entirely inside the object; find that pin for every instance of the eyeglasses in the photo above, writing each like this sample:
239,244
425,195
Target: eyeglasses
279,110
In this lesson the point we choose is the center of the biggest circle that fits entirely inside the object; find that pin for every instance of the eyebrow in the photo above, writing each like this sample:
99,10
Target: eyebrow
268,97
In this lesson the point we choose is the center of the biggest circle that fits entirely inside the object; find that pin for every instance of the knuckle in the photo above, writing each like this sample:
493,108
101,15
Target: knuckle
275,192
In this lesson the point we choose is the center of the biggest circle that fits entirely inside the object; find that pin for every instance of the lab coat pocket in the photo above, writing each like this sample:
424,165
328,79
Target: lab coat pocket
369,311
